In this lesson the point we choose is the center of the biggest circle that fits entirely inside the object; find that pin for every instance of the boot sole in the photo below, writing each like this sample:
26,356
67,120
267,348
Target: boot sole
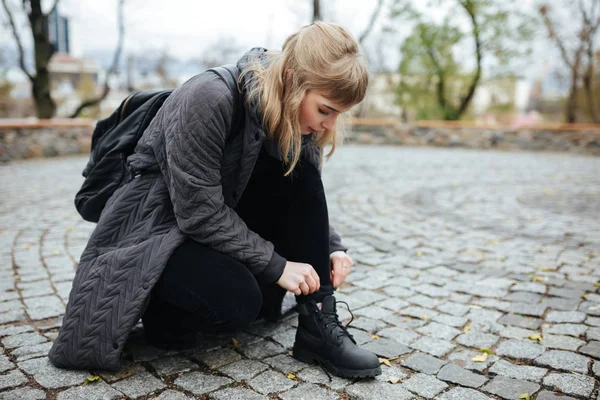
312,358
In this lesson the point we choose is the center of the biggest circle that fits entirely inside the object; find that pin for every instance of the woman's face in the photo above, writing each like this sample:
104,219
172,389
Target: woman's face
318,113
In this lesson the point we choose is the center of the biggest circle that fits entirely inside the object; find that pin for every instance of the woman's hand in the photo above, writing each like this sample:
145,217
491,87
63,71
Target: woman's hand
341,265
299,278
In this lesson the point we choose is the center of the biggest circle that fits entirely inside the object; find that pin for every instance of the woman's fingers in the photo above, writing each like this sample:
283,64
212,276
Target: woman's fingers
304,287
312,284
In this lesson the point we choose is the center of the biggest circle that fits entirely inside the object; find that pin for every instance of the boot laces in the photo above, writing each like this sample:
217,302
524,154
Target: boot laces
333,324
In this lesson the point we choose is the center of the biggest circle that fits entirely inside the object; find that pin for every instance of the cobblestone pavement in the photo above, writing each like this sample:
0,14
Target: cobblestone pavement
456,251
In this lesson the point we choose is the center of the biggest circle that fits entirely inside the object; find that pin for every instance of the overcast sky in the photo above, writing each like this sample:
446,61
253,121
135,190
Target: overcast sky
185,27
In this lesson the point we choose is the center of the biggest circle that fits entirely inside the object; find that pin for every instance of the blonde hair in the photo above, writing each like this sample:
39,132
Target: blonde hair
321,56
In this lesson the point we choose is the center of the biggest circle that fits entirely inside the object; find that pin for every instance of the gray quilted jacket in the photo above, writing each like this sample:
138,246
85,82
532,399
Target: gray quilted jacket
194,174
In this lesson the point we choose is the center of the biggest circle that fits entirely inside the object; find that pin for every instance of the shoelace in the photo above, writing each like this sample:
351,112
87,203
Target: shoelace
331,320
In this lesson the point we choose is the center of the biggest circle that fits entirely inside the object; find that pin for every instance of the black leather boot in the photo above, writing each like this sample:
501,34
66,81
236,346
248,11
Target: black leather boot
322,339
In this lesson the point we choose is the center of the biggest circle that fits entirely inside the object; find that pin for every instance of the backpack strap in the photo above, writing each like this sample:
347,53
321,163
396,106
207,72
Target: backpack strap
229,74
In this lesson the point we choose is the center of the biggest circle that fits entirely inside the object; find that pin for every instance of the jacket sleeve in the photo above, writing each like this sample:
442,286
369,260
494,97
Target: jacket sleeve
197,122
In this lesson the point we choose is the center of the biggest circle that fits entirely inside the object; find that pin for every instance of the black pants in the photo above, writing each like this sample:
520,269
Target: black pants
203,290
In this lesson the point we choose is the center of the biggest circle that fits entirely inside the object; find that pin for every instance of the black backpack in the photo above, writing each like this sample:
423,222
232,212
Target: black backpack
114,140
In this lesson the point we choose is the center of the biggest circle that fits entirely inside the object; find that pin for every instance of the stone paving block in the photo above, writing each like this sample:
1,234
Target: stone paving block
394,304
576,385
391,372
95,391
455,374
285,363
484,315
373,389
199,383
23,339
492,303
5,364
219,357
404,322
519,349
521,322
510,389
433,346
464,359
512,332
361,337
439,331
173,395
424,385
48,376
128,369
423,363
173,365
368,324
373,311
564,361
271,382
28,352
477,339
139,385
524,297
534,310
285,338
566,329
558,303
244,369
545,395
12,379
593,333
423,301
23,394
456,309
591,349
262,350
459,393
531,287
315,374
309,391
237,393
508,370
457,322
402,336
562,342
565,316
419,312
14,330
386,348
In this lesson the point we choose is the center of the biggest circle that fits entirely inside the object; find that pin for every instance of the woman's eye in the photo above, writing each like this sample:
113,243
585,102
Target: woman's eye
323,112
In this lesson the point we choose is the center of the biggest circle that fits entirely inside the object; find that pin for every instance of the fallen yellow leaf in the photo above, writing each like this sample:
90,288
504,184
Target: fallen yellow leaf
545,269
91,379
373,336
474,307
535,337
385,361
291,376
597,284
467,328
419,254
594,308
525,396
393,379
236,343
26,246
481,357
487,351
493,242
55,252
424,316
584,296
538,279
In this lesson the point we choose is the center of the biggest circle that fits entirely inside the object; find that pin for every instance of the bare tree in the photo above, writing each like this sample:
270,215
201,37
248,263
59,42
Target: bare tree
316,11
43,51
580,58
369,28
113,68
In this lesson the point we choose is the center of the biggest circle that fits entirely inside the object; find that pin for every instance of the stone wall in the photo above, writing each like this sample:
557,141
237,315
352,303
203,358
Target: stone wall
21,139
572,138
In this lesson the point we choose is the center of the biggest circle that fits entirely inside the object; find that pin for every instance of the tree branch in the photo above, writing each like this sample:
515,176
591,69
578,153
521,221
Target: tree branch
113,68
441,85
53,7
369,27
553,36
18,40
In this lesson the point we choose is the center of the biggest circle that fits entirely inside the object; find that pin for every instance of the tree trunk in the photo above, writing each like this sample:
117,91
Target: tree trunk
571,106
316,11
588,83
43,50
